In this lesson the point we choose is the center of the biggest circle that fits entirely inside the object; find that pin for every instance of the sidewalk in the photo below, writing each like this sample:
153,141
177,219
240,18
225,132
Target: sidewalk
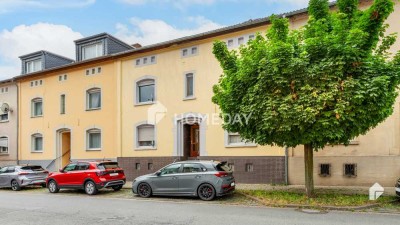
389,191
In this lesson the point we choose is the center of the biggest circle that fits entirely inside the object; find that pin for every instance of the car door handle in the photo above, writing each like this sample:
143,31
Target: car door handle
198,176
174,178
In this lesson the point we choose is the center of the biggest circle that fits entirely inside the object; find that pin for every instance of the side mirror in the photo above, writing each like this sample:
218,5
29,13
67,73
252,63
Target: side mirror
158,173
61,170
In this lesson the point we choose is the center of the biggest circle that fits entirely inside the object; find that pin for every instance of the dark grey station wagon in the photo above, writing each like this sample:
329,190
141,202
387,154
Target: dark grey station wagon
205,179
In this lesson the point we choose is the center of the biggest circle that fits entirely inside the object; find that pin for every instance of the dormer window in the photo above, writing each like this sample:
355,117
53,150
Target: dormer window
33,66
92,51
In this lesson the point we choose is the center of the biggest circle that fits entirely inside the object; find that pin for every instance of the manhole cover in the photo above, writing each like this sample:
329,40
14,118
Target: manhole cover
312,211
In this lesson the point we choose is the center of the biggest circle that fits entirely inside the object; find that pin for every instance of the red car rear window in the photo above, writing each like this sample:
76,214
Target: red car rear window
108,165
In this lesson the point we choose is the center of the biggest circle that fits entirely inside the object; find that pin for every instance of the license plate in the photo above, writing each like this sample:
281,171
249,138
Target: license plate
232,184
113,174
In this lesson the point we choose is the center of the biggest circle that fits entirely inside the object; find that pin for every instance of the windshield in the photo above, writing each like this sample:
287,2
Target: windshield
108,165
32,168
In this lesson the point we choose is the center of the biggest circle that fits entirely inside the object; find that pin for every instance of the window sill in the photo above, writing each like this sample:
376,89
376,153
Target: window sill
94,109
241,146
145,103
145,148
37,151
4,121
36,116
4,154
93,150
189,98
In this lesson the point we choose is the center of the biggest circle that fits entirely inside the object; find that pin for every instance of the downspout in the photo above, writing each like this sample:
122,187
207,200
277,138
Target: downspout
286,165
18,94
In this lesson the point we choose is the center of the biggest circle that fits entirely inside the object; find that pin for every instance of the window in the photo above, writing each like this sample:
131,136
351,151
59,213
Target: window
37,107
145,136
62,77
92,51
235,140
3,117
4,90
144,60
137,166
230,43
191,51
36,83
93,99
172,169
189,85
194,50
150,166
145,91
33,66
137,62
148,60
249,167
69,167
350,170
251,36
93,139
37,143
3,145
324,170
193,168
184,52
62,104
240,40
82,166
98,69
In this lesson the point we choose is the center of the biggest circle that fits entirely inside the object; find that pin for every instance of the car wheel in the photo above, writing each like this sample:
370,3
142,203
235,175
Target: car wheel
206,192
144,190
53,187
117,188
15,186
90,188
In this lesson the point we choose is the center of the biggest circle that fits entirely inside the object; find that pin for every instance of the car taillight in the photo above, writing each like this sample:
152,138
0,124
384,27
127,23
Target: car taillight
101,173
23,173
221,174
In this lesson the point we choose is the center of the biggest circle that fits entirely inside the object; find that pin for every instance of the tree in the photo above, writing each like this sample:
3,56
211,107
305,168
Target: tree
324,84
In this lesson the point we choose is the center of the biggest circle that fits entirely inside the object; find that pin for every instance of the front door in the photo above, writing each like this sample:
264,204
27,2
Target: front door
194,140
63,148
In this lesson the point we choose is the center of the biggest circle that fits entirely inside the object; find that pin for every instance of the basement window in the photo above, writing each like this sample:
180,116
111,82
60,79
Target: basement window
325,170
137,166
150,166
350,170
249,167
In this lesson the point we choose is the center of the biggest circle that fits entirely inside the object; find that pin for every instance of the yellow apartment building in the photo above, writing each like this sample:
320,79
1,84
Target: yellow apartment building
149,106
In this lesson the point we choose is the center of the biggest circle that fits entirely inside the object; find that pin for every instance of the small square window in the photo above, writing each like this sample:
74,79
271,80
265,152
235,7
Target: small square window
184,52
251,37
137,62
350,170
137,166
98,69
65,76
6,89
230,43
249,167
32,84
87,72
144,60
40,82
60,78
153,59
241,40
324,170
36,83
150,166
93,71
194,50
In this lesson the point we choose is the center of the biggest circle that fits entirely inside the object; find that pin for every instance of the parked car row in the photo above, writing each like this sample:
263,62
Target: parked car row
205,179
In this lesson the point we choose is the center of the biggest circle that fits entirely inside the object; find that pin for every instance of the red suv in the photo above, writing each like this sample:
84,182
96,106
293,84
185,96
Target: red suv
90,176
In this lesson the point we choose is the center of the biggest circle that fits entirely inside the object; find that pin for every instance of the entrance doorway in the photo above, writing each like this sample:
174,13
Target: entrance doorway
191,139
63,154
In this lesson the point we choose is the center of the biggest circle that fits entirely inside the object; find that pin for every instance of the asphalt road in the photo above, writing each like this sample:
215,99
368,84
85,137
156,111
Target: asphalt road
32,208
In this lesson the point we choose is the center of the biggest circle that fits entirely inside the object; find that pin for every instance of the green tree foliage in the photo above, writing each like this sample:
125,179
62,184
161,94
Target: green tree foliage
324,84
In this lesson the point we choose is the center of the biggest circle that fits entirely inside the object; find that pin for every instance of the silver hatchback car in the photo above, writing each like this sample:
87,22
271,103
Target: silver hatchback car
205,179
17,177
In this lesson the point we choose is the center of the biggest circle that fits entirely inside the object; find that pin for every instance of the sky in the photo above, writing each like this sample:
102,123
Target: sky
27,26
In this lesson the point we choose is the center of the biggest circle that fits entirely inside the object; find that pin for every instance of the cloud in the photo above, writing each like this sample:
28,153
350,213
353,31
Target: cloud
146,31
180,4
25,39
11,5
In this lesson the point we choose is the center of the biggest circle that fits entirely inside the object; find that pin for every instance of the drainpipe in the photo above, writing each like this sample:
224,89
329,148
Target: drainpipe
286,165
18,94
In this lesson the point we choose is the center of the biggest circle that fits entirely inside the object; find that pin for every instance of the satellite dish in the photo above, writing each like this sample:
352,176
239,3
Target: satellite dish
5,108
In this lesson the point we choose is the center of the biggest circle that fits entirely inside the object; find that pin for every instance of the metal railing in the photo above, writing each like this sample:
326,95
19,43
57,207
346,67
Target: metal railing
54,160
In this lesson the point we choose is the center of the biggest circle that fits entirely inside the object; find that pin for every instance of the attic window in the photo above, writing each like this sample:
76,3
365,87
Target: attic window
92,51
33,66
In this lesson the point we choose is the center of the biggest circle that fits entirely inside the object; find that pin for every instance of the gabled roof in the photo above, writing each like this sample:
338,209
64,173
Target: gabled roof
43,52
101,36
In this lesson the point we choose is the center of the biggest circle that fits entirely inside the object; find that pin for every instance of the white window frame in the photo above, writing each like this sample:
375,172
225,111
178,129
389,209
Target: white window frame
7,147
4,90
144,81
234,42
188,52
92,131
99,50
63,104
88,94
237,145
145,61
34,138
31,65
6,120
185,76
136,138
33,107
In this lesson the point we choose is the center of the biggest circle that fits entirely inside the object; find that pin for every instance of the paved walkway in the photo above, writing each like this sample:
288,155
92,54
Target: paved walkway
341,189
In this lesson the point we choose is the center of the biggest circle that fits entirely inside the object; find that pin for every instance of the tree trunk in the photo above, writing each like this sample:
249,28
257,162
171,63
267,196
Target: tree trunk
309,170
